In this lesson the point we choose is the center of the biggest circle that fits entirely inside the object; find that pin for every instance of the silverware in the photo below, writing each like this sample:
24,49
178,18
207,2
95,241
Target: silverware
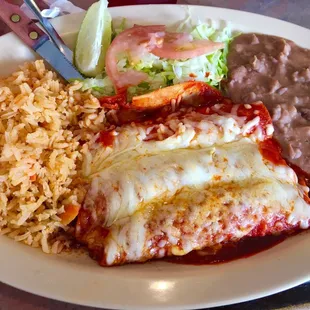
49,29
39,41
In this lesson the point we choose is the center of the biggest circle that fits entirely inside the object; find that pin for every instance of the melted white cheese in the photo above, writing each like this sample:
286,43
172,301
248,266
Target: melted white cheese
129,184
209,216
191,131
202,171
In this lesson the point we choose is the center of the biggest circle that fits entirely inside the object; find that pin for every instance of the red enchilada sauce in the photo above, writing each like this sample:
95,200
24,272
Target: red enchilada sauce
269,149
248,246
230,251
106,138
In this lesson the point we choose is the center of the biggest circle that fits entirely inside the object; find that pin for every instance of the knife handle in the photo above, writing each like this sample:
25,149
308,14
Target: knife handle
21,24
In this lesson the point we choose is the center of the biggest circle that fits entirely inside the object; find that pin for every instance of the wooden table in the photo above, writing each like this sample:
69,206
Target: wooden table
295,11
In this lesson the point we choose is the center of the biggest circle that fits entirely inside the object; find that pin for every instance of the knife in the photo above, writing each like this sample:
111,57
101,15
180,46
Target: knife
37,40
49,29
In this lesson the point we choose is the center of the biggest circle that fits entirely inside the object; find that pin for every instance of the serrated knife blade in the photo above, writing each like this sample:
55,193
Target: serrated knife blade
51,54
38,40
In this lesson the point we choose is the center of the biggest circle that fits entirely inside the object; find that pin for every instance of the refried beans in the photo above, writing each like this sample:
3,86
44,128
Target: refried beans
277,72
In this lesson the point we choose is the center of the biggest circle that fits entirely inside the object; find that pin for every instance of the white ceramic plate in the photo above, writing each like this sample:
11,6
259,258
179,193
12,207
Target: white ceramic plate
76,278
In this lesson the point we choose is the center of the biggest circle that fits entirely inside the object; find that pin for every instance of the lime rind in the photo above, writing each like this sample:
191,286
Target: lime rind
93,39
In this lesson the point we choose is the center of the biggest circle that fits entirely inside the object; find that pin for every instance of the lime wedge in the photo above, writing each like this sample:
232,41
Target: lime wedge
93,39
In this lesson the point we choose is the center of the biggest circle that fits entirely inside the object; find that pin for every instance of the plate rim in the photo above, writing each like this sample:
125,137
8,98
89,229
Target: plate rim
62,23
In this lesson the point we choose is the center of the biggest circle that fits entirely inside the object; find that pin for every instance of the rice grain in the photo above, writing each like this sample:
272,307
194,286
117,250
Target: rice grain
45,127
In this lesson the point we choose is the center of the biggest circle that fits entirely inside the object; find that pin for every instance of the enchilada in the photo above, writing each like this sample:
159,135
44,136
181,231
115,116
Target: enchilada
199,177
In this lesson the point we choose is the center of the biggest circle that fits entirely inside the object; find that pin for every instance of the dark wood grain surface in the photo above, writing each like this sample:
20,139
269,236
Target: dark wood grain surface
295,11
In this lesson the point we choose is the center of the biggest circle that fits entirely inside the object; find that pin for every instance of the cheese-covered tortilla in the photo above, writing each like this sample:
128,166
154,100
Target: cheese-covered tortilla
198,178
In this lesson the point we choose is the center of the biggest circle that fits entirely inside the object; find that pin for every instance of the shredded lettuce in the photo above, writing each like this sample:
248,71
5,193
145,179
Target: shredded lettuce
100,86
211,68
118,28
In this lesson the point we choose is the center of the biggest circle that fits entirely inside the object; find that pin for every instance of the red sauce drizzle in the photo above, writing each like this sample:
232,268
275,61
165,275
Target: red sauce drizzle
271,150
114,102
262,112
230,251
206,95
227,106
106,138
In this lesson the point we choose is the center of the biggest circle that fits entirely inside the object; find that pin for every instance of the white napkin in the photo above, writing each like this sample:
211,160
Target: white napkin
57,8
